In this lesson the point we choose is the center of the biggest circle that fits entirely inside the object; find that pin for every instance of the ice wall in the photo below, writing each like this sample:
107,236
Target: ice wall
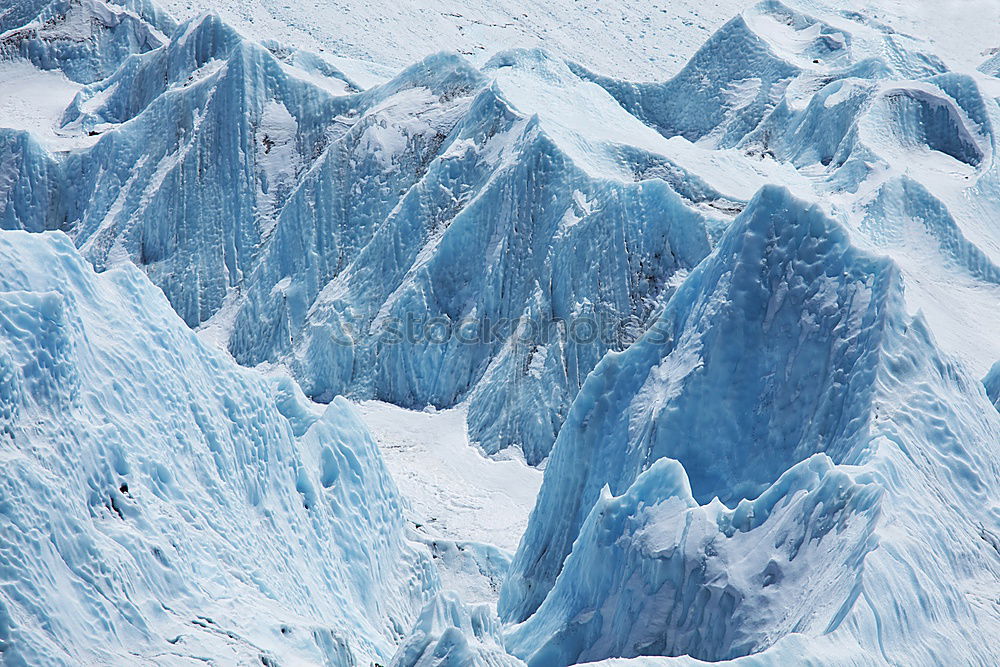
160,503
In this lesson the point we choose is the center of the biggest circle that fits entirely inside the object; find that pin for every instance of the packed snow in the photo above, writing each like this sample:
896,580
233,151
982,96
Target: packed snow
367,40
468,509
34,100
454,491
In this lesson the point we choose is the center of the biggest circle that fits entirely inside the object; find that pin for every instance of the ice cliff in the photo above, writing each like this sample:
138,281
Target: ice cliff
332,230
830,416
306,191
160,503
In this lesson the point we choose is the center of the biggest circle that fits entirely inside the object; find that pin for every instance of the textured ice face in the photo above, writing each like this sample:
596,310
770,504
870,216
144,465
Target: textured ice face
160,500
654,573
317,226
992,383
455,251
309,226
85,39
450,634
882,414
766,355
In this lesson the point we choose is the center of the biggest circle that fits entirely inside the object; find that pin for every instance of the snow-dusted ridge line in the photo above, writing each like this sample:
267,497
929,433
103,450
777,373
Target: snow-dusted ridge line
314,214
754,293
719,607
86,39
626,38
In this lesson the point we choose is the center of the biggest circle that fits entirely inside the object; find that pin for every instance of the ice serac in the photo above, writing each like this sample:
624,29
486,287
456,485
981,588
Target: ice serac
203,140
770,55
693,580
383,148
307,223
739,75
86,39
160,503
752,332
451,634
910,167
992,383
784,370
30,183
485,211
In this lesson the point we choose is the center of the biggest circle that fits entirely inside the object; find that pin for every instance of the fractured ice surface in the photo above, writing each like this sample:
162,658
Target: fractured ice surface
159,501
783,453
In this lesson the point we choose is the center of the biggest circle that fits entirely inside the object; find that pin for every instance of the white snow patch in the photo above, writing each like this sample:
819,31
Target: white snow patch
842,94
330,84
621,38
278,161
459,149
665,382
582,118
34,100
537,365
580,209
395,121
454,491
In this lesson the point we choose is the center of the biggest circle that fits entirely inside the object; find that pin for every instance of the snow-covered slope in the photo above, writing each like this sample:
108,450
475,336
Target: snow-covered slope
629,37
642,40
161,504
469,510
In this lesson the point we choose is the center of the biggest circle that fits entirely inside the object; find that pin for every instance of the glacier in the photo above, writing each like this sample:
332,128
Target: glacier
741,314
159,501
323,188
321,192
791,328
